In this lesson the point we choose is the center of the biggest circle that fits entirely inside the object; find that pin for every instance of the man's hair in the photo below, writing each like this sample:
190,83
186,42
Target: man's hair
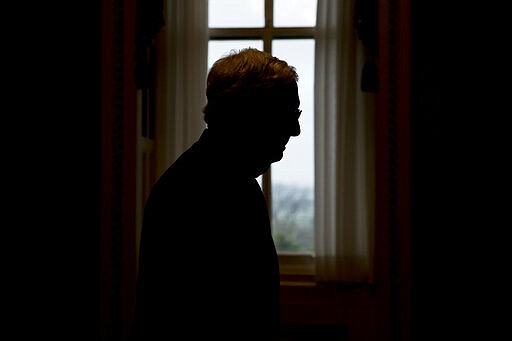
244,78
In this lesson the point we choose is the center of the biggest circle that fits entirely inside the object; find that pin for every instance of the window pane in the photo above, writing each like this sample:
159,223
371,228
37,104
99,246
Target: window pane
236,13
219,48
293,177
298,13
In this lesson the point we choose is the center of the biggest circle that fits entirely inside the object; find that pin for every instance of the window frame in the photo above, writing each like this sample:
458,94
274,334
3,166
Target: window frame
295,267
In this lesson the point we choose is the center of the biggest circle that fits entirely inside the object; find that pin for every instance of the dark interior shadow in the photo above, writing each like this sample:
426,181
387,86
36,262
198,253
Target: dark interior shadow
312,332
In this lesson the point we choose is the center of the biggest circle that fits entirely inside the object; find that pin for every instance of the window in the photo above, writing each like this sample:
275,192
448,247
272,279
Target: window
318,36
284,28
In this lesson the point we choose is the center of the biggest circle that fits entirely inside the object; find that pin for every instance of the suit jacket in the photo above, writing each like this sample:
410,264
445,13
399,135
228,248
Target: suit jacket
208,267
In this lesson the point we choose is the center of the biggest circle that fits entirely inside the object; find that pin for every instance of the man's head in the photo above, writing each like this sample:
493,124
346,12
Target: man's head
253,100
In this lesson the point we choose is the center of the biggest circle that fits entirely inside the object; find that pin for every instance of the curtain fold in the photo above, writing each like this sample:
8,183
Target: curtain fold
344,166
183,61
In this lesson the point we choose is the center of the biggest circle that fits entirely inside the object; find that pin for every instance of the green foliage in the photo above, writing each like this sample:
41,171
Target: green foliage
293,218
285,242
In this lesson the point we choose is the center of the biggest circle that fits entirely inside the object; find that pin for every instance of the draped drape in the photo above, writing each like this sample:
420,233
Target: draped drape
183,67
344,165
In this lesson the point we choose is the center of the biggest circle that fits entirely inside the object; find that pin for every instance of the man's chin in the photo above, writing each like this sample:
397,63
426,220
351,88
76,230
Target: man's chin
277,157
260,170
263,166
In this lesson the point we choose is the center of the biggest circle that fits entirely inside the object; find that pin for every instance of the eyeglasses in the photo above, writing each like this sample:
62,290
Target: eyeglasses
287,114
297,112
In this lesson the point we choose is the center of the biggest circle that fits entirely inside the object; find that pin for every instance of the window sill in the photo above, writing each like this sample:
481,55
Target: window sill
297,268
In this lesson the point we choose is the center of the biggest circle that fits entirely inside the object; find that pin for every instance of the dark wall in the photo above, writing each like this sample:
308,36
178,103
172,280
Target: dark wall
52,57
426,148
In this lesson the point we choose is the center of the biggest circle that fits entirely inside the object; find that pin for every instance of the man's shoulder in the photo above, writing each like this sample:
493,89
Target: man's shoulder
186,166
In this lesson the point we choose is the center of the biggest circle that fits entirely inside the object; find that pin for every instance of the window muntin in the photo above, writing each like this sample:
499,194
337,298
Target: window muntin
219,48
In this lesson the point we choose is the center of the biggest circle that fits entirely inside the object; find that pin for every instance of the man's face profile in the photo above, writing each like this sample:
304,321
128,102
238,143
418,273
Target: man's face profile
275,121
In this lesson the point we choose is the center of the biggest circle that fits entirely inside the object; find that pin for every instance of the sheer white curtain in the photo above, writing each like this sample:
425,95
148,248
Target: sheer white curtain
344,170
181,82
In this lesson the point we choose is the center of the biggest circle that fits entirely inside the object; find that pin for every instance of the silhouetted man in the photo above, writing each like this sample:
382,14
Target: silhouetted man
208,267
